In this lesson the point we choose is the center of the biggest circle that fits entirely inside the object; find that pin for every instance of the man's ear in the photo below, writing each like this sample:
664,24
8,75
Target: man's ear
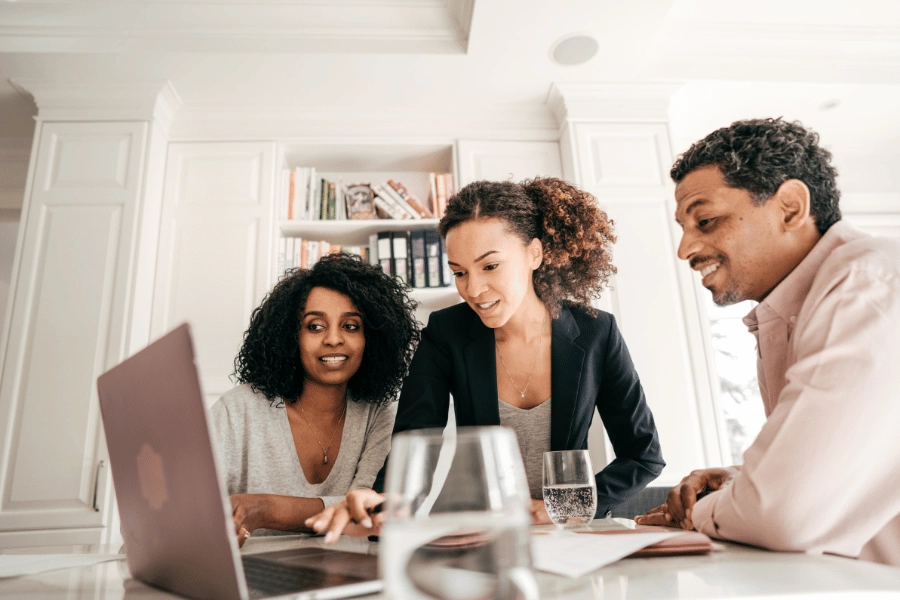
793,199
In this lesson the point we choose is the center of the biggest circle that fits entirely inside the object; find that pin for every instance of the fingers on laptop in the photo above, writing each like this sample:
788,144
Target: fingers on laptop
355,509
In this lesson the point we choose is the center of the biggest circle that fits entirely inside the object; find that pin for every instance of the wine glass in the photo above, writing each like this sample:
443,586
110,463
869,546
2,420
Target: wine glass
457,517
570,490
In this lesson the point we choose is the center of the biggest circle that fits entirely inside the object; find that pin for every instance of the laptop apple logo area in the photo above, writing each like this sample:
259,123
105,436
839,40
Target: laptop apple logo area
152,477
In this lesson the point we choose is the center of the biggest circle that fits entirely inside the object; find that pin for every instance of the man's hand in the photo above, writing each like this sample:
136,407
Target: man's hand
539,514
676,512
352,516
249,512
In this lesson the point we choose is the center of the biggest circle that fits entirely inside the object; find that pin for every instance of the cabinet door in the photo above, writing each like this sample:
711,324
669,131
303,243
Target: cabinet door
653,295
215,249
70,294
506,161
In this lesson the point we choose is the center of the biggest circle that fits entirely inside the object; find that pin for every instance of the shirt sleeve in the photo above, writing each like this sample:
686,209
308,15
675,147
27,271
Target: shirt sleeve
376,448
229,447
629,425
822,474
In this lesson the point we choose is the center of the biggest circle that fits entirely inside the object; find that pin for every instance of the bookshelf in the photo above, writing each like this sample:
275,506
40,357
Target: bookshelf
348,163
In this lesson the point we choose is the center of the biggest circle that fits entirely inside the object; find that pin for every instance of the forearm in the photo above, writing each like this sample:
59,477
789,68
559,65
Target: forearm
287,513
621,480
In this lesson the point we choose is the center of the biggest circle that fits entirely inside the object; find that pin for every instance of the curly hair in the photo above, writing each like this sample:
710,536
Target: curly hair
269,359
758,155
576,235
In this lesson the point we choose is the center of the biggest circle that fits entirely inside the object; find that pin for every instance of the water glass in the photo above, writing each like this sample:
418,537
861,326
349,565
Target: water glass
457,517
570,490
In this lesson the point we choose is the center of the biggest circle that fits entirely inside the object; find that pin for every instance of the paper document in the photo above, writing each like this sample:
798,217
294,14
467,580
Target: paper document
570,554
14,565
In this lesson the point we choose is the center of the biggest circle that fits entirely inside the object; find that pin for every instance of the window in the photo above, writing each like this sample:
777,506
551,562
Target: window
735,355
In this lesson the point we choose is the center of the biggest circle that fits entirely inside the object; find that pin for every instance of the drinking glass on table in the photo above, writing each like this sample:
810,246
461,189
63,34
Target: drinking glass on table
457,517
570,490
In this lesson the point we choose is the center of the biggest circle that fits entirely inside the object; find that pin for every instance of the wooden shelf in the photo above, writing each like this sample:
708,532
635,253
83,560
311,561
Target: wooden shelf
351,232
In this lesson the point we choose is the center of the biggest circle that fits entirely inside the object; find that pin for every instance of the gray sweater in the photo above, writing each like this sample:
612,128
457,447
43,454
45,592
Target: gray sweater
258,456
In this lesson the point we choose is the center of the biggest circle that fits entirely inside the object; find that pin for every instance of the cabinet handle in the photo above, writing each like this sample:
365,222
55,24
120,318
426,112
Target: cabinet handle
101,469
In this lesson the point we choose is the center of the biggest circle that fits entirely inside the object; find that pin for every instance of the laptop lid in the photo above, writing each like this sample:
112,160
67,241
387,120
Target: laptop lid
175,518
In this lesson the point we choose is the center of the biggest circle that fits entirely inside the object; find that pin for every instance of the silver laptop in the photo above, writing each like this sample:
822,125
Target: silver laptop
176,516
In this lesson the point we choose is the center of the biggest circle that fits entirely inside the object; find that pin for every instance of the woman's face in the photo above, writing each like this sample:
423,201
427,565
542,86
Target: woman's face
493,268
331,337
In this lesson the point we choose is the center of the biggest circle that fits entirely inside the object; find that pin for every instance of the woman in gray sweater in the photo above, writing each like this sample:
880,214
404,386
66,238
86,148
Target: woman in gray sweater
321,363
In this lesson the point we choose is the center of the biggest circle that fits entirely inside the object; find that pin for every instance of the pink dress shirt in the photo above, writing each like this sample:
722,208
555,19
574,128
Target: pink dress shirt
824,473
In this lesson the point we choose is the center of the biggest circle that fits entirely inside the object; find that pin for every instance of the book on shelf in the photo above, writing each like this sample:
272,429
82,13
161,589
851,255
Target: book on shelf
384,249
442,189
400,250
294,252
433,258
417,259
309,196
411,200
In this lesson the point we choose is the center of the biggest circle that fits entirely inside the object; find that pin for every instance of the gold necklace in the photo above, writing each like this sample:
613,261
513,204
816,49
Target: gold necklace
534,364
333,431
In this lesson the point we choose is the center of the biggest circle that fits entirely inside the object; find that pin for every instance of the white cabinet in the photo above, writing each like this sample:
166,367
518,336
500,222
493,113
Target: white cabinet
215,251
71,297
507,161
625,166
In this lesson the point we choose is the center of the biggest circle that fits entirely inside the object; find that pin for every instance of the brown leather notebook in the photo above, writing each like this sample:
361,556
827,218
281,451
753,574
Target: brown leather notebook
690,542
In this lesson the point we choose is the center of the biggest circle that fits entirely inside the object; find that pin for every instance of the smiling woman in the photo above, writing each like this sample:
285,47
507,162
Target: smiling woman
323,358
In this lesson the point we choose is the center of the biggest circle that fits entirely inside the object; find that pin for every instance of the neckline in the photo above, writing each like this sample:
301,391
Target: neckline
525,410
289,436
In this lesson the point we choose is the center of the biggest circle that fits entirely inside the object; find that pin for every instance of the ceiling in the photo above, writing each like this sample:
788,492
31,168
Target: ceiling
452,55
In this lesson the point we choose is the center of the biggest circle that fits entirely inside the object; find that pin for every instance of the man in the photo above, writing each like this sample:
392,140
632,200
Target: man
758,206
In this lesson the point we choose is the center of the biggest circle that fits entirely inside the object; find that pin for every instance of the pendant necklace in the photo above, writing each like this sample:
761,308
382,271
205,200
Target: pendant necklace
536,354
324,449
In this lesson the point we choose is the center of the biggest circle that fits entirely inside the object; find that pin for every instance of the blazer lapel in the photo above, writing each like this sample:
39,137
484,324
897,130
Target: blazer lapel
565,376
481,373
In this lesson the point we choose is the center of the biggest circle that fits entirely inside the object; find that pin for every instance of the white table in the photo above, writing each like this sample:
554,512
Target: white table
732,571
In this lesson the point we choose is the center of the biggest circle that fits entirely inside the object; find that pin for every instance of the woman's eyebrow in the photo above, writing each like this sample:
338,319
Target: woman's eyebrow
482,257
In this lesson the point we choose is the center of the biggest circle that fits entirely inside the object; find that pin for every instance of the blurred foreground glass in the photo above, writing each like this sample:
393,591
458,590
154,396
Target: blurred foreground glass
570,490
457,517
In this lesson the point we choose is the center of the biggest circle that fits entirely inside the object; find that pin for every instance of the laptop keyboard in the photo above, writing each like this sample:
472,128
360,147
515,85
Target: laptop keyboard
272,578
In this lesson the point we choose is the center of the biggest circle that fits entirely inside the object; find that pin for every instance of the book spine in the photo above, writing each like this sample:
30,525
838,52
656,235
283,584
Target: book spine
433,254
310,194
432,197
388,207
446,271
410,199
302,191
397,211
418,258
332,202
399,201
400,240
373,249
441,195
282,255
304,254
385,258
292,195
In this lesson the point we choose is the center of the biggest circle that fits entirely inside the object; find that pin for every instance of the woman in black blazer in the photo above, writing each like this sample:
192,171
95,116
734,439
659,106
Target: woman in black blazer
528,259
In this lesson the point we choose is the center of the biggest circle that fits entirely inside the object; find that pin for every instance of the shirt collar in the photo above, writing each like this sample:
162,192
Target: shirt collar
788,296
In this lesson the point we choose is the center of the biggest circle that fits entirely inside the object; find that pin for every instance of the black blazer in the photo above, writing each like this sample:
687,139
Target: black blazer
590,367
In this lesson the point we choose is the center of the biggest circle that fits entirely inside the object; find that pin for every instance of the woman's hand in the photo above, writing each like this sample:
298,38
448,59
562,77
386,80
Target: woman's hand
352,516
539,514
250,512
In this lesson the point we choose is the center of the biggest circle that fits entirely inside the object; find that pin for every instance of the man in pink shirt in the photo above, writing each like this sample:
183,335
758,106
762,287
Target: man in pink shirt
758,206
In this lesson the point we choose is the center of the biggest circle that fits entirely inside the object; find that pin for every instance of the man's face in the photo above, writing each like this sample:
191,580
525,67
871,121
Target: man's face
734,244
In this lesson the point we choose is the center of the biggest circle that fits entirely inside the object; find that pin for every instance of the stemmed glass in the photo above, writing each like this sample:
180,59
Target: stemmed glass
570,490
457,517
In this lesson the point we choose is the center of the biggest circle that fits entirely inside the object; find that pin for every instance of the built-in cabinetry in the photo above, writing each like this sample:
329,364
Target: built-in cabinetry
220,229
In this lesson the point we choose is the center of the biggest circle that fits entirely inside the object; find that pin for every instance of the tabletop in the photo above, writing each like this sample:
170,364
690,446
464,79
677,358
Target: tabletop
731,571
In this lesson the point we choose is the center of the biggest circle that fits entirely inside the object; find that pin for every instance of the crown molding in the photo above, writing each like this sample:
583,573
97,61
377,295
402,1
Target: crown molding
279,26
86,101
498,122
610,101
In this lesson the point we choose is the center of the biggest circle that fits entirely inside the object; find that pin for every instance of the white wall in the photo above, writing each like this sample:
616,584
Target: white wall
9,232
